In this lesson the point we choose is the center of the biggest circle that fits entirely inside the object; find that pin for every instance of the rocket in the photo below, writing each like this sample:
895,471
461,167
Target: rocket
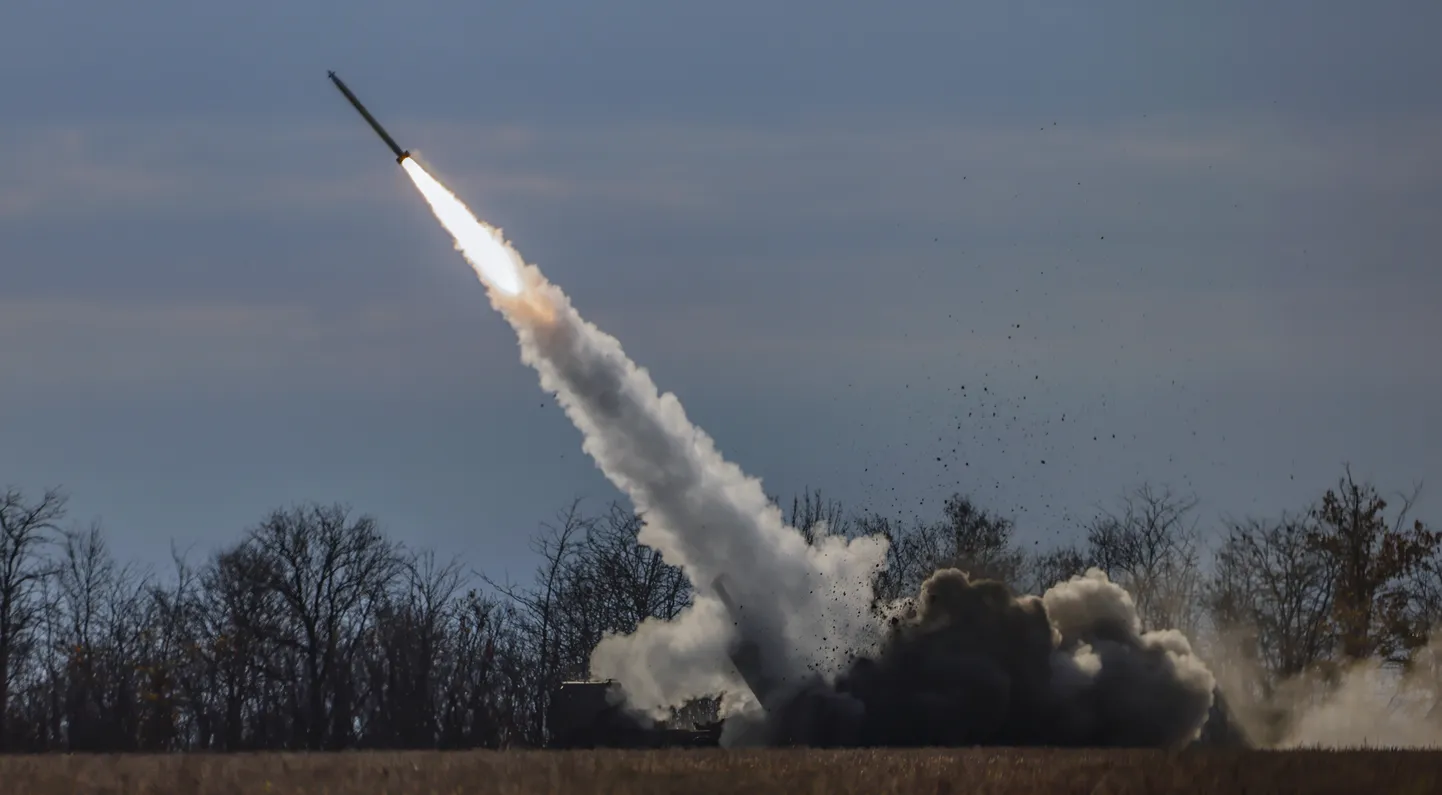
400,154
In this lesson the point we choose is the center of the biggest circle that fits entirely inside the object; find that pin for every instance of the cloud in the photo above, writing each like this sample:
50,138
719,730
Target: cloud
214,166
210,168
1181,250
144,348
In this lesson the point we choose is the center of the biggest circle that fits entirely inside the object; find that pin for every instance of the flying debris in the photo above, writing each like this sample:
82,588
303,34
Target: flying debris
401,154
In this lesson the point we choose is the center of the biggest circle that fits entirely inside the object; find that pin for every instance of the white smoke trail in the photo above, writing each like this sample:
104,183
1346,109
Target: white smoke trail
700,511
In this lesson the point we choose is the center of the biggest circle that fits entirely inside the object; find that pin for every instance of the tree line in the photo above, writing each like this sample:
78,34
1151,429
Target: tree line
315,631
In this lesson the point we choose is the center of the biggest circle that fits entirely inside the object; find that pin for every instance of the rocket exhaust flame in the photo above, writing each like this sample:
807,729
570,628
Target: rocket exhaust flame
496,263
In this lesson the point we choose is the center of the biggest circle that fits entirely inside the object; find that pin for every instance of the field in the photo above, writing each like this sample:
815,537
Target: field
874,772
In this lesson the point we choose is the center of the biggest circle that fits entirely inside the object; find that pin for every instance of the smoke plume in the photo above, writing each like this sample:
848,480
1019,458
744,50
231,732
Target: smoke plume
968,663
1369,707
1369,703
965,662
807,604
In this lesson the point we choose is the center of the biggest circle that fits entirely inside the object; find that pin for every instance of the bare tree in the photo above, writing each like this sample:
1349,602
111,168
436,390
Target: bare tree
1150,547
331,572
25,526
230,655
631,582
405,647
811,515
1424,621
1054,566
908,556
100,606
1374,560
165,659
1426,590
556,640
967,537
236,617
980,542
1273,591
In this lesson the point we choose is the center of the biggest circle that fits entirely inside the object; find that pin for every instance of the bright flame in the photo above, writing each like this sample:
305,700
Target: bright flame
480,244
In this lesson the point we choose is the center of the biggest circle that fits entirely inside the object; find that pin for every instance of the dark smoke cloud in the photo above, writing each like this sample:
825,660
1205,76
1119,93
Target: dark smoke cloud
969,663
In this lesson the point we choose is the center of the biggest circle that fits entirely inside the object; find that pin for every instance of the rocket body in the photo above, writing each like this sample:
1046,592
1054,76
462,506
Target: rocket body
400,154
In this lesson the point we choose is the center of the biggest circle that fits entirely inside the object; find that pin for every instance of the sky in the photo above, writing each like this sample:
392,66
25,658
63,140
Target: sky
1036,252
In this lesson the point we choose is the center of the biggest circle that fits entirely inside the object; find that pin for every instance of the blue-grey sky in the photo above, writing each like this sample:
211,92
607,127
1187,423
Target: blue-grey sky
1035,251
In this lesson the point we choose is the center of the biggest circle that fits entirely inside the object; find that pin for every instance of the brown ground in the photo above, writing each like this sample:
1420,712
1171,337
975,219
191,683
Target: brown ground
873,772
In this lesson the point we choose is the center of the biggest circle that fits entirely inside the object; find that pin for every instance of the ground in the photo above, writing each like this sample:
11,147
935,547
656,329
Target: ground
987,771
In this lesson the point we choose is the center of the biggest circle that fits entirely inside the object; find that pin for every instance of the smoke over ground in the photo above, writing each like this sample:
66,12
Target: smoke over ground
968,663
964,663
1366,704
1369,708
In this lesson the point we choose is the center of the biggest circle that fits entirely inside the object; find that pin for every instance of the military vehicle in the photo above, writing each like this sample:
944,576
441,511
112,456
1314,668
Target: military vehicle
590,714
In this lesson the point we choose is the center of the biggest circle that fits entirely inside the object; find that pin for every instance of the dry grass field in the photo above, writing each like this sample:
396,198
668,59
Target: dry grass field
872,772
